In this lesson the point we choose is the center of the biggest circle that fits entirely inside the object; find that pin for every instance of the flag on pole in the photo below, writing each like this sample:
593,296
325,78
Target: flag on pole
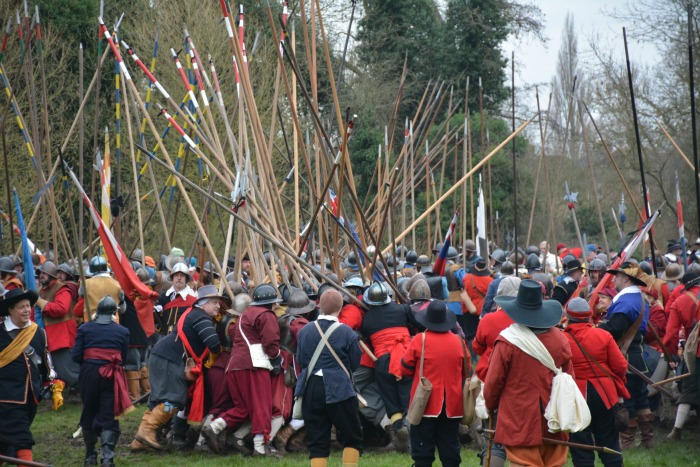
482,244
105,168
335,209
29,278
679,209
119,262
439,267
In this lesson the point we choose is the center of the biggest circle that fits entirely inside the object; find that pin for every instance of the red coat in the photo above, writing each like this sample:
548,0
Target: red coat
60,335
519,387
443,366
476,287
672,297
602,347
657,317
488,331
682,314
260,327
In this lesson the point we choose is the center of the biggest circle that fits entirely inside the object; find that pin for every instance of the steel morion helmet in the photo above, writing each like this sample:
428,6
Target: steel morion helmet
376,294
596,265
265,294
98,265
106,306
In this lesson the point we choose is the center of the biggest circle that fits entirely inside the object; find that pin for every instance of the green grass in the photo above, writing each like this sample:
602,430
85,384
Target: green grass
55,445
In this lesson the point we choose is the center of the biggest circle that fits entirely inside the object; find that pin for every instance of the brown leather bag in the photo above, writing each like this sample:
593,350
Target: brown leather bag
422,395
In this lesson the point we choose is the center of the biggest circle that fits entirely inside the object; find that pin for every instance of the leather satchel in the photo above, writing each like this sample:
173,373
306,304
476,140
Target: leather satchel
470,393
422,394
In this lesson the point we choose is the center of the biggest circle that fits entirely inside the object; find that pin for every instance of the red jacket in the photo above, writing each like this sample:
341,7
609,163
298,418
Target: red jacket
658,318
444,355
672,298
260,327
682,314
488,331
602,347
519,387
351,315
60,335
476,287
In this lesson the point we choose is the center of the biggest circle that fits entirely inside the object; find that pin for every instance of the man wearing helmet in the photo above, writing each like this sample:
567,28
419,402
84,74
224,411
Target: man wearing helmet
102,344
172,303
56,304
100,284
8,274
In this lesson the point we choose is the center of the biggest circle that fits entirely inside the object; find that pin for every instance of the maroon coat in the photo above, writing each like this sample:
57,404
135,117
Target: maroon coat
519,387
260,327
443,365
602,347
682,314
489,329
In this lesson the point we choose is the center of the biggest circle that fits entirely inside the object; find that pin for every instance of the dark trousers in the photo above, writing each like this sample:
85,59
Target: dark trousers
600,432
640,395
441,433
97,395
395,394
319,417
15,428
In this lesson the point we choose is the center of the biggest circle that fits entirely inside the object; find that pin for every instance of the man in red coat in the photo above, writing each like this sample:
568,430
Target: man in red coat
56,303
250,382
476,285
519,386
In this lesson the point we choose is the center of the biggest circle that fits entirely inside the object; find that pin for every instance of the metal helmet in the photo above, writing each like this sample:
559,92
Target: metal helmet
532,249
107,306
646,267
323,288
499,256
309,290
144,276
438,247
351,260
181,268
376,294
694,267
137,256
286,292
596,265
660,262
469,245
411,257
7,265
299,303
532,262
389,260
240,303
265,294
423,260
353,281
371,250
420,290
66,268
49,267
452,253
507,268
97,265
317,255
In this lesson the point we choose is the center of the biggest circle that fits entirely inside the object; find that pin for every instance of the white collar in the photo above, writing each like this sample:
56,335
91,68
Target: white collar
184,293
328,317
10,326
627,290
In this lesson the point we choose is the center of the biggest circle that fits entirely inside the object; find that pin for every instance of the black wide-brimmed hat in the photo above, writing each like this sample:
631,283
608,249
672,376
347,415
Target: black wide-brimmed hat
14,296
437,317
528,308
630,270
572,266
480,268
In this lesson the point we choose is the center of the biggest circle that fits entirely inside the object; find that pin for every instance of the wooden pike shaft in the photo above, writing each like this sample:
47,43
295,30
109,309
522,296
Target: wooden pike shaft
560,442
461,181
675,145
670,380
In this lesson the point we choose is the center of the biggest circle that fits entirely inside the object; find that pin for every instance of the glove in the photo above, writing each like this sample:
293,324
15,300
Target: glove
211,359
57,393
276,365
41,303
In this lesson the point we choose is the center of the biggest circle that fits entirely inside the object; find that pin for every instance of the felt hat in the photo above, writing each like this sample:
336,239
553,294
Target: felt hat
437,317
630,271
673,272
572,266
14,296
528,308
210,291
480,268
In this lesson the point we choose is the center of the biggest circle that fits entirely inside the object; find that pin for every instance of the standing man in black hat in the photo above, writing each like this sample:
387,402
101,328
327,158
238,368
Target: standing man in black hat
101,349
24,366
627,320
519,386
255,354
567,288
440,353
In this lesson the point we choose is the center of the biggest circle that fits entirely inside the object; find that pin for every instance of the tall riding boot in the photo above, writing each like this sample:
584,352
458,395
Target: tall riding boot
90,438
109,443
144,384
179,431
132,381
137,446
627,436
646,426
158,418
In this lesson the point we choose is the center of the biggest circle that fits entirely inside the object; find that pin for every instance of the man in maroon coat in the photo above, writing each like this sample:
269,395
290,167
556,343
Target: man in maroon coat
249,378
519,386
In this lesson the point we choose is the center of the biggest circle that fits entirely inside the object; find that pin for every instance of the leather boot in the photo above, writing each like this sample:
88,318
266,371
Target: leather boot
147,432
391,447
402,436
211,434
646,426
280,441
137,446
351,457
675,434
109,443
144,384
132,381
179,431
90,438
297,442
627,436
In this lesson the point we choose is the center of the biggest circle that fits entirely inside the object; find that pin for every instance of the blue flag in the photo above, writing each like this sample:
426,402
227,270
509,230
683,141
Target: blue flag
29,278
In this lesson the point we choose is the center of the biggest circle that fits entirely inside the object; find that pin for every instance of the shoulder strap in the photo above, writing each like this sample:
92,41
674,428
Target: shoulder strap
628,336
422,356
319,349
328,344
465,360
590,359
471,278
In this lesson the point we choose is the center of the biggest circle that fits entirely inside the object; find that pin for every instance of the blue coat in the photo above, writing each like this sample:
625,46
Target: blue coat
345,344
